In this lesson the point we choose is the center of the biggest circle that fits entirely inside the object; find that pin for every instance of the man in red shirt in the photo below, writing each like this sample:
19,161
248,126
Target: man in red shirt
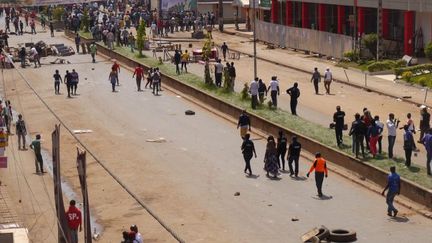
116,68
139,74
73,216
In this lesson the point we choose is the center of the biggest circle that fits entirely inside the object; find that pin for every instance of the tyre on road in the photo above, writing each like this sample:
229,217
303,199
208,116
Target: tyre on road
342,235
321,235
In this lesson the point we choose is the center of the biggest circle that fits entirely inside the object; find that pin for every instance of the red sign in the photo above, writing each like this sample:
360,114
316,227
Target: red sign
3,162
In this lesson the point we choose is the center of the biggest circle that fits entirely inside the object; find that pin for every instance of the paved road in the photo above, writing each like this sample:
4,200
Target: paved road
190,179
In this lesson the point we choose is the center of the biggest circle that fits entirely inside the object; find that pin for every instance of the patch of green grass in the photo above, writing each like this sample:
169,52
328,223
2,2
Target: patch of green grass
362,67
314,131
86,35
422,79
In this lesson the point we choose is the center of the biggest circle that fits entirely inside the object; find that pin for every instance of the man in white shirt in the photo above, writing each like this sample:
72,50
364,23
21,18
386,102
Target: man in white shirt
392,125
274,90
35,55
380,125
218,73
253,90
328,78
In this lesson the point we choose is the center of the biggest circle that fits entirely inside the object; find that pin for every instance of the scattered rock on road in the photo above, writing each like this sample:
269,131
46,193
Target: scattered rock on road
237,194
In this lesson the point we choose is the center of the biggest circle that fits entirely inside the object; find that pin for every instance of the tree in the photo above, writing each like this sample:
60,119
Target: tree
85,21
206,52
141,37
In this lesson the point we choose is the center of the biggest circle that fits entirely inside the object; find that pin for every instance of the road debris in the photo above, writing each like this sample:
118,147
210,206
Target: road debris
81,131
237,194
157,140
294,219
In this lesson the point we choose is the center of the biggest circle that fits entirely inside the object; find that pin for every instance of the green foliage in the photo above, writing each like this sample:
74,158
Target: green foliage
141,37
85,21
415,70
370,42
428,50
207,76
58,12
206,50
407,76
353,56
423,81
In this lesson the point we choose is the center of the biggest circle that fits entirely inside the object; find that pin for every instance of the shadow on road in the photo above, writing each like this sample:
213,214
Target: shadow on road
298,178
324,197
252,176
399,219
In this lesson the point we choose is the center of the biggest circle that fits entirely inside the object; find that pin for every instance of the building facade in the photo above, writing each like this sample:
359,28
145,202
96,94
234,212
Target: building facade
405,23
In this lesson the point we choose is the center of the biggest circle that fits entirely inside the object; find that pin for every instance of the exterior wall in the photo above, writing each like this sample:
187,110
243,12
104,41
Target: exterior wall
424,20
228,9
413,5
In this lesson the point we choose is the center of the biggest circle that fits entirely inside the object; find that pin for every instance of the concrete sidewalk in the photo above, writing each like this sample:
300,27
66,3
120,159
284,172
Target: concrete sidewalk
303,62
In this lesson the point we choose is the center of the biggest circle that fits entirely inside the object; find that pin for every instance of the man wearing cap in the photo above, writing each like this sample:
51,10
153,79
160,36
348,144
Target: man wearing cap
328,78
74,220
320,168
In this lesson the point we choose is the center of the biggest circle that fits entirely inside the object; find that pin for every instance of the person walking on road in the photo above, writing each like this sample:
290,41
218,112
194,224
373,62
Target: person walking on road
35,55
392,126
281,149
270,158
116,68
244,124
262,91
294,150
75,81
411,127
77,42
149,78
393,186
156,81
224,49
328,78
93,51
274,90
68,82
248,150
51,26
253,90
358,131
138,237
232,74
21,132
113,79
22,55
138,73
424,123
177,59
57,81
74,220
427,142
294,93
320,168
408,145
316,79
339,122
36,146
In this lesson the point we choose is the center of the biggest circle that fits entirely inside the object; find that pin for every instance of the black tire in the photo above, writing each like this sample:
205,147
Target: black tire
321,235
342,235
189,112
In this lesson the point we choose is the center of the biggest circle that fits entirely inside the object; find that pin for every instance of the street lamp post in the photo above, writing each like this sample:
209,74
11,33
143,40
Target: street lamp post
254,38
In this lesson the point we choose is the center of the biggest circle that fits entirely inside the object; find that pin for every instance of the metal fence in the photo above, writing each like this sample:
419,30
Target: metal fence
324,43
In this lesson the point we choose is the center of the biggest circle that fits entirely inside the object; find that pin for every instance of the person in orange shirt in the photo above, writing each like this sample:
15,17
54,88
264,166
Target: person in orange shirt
320,168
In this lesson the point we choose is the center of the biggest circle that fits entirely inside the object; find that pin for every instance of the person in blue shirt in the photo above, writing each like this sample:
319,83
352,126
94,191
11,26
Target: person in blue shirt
393,186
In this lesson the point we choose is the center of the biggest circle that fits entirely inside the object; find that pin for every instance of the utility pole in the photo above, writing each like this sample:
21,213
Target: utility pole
221,16
254,37
355,25
379,29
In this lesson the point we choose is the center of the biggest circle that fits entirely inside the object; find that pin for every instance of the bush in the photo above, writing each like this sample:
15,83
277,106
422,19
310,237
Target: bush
407,76
370,42
401,63
381,66
428,50
353,56
415,70
423,81
58,13
245,92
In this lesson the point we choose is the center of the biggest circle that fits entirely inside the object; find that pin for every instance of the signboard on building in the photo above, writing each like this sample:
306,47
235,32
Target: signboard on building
265,3
178,5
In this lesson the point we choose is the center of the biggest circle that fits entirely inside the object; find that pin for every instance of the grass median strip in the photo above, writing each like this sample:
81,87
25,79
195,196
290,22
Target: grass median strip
314,131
